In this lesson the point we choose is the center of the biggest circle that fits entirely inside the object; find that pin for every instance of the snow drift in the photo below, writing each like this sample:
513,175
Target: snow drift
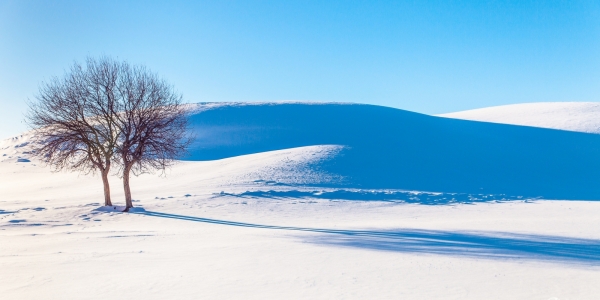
387,148
572,116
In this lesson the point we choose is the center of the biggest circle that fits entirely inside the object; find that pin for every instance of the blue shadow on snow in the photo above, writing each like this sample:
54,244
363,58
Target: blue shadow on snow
491,245
388,148
424,198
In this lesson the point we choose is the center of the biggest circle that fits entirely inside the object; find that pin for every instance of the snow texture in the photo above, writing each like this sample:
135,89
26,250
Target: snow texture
315,201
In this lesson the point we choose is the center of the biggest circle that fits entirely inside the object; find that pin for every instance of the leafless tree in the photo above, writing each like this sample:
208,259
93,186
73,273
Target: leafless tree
152,124
109,112
73,120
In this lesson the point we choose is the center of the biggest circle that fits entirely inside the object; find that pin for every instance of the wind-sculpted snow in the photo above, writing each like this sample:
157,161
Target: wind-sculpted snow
386,148
426,198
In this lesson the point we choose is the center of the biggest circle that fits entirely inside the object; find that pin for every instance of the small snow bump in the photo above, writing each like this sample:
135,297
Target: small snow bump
109,209
136,209
17,221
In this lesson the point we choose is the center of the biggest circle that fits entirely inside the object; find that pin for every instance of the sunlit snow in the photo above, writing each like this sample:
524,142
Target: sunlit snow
320,201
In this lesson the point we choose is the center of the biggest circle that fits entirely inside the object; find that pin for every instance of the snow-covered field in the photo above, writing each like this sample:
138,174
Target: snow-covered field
288,217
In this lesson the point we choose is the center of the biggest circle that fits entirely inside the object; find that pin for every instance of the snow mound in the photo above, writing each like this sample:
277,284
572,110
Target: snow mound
387,148
572,116
367,147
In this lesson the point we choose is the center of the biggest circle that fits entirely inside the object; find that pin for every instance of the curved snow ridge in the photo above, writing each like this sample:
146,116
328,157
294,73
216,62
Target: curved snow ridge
388,148
570,116
194,108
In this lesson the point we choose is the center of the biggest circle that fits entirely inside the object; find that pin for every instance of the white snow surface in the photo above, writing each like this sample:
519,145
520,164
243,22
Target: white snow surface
571,116
262,226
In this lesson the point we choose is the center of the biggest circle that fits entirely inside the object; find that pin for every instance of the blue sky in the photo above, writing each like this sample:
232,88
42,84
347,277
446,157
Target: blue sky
424,56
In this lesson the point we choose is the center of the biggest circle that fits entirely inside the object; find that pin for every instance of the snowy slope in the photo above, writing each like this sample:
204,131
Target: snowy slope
374,147
265,207
193,244
572,116
387,148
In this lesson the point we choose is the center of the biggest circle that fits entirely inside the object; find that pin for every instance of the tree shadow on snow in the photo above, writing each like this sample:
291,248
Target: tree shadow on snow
485,245
489,245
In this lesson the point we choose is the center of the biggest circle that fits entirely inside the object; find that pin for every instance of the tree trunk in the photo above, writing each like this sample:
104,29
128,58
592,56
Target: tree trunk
128,202
107,201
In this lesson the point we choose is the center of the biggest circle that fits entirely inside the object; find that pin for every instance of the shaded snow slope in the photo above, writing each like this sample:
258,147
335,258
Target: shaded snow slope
260,224
352,146
389,148
572,116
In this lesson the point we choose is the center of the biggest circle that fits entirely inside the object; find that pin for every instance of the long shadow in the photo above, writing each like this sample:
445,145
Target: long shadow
489,245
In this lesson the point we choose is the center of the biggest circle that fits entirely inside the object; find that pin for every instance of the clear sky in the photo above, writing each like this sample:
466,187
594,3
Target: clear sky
424,56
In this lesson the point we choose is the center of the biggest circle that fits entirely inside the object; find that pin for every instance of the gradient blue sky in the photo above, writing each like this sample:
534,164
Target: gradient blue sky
424,56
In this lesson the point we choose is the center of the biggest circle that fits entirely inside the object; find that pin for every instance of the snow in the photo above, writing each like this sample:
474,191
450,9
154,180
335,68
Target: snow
572,116
386,148
286,214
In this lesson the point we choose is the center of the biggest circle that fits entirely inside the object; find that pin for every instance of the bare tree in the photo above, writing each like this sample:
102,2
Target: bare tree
73,120
109,112
152,124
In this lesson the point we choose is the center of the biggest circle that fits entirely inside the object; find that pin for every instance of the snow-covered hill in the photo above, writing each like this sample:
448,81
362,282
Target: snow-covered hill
267,205
572,116
375,147
387,148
